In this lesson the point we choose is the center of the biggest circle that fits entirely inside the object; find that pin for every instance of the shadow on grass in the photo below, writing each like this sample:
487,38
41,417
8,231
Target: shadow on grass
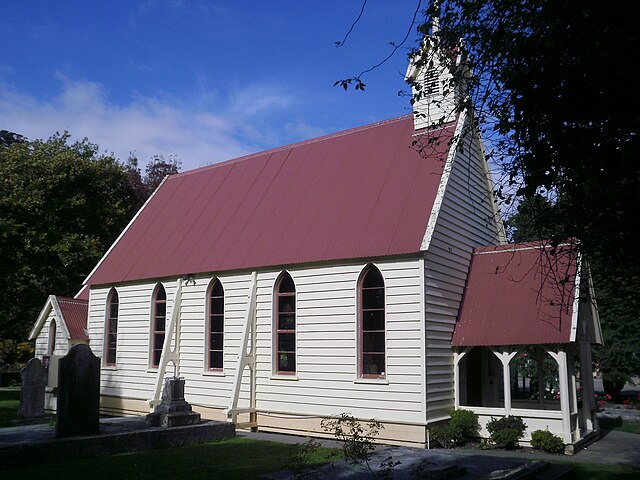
608,424
238,458
9,405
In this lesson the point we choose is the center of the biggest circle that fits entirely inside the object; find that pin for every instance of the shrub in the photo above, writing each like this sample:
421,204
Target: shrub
506,431
462,427
547,441
357,437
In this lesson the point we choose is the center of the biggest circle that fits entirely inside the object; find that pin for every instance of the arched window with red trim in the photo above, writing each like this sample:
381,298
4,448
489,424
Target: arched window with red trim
111,329
215,326
372,324
159,320
285,325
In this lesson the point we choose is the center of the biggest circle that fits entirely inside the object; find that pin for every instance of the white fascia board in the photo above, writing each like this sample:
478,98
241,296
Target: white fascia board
576,301
123,232
62,321
42,317
444,179
595,316
84,287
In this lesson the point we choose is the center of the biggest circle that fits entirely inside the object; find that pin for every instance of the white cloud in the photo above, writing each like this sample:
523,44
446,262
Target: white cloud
152,125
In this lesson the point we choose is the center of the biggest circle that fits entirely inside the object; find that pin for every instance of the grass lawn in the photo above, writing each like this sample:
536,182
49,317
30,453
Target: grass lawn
238,458
604,472
9,404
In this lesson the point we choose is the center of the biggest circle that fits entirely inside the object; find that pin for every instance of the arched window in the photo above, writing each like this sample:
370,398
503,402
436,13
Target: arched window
371,342
159,318
52,337
111,330
215,326
285,325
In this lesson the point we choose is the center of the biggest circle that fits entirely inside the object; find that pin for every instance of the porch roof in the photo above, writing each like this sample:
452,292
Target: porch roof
519,294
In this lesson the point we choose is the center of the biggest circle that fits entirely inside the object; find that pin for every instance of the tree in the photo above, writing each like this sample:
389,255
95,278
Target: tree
156,170
61,206
552,92
551,87
7,138
617,299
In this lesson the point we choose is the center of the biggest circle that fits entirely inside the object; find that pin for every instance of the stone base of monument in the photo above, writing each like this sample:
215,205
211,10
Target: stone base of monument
173,410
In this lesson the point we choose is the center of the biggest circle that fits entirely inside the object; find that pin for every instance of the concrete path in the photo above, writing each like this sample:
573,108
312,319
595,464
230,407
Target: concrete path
614,448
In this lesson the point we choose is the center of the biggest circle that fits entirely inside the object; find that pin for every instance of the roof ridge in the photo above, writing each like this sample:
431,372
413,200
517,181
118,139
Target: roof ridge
517,247
79,301
310,141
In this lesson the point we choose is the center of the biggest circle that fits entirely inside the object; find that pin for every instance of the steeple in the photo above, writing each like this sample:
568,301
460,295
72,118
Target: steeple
431,73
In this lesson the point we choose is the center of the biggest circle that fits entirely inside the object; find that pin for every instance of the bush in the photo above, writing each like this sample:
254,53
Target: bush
462,427
547,441
506,432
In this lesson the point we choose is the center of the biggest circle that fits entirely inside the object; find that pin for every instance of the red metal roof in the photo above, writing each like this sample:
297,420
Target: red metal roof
517,294
360,193
74,313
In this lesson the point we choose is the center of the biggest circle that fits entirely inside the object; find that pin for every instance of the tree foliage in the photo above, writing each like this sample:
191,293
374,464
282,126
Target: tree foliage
157,168
616,296
549,91
62,204
552,93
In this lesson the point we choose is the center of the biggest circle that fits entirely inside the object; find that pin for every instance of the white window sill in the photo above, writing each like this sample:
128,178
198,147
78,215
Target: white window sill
152,370
112,368
284,377
375,381
212,373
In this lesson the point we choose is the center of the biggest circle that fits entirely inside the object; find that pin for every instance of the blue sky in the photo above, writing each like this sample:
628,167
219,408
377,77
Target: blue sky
202,80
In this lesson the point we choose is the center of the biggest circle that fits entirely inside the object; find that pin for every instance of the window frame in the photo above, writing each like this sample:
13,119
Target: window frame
154,331
209,316
278,331
53,332
361,375
107,330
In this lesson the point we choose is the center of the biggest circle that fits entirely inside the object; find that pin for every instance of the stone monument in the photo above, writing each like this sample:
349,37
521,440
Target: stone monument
173,410
78,393
32,392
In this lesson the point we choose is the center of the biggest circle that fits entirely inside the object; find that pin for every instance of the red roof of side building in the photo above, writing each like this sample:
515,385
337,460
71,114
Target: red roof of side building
74,312
361,193
518,294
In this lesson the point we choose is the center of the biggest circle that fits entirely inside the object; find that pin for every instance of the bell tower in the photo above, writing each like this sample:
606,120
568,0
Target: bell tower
437,78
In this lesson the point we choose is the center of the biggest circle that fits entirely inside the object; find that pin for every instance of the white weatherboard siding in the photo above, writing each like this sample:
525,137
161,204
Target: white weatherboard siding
466,220
42,340
326,380
132,377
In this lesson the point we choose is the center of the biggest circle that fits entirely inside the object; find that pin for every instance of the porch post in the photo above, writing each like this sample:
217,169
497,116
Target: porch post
457,356
540,368
505,357
573,392
561,358
586,373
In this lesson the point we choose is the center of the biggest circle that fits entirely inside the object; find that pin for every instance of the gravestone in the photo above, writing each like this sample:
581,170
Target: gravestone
32,391
78,393
173,410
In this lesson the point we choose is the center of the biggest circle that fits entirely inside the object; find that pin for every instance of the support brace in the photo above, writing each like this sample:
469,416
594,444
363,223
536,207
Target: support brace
246,358
169,355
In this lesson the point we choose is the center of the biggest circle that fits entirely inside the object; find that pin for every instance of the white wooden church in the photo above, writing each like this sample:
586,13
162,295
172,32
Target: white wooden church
364,272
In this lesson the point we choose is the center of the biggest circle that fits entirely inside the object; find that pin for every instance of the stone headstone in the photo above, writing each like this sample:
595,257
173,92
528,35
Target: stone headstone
78,393
173,410
32,392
